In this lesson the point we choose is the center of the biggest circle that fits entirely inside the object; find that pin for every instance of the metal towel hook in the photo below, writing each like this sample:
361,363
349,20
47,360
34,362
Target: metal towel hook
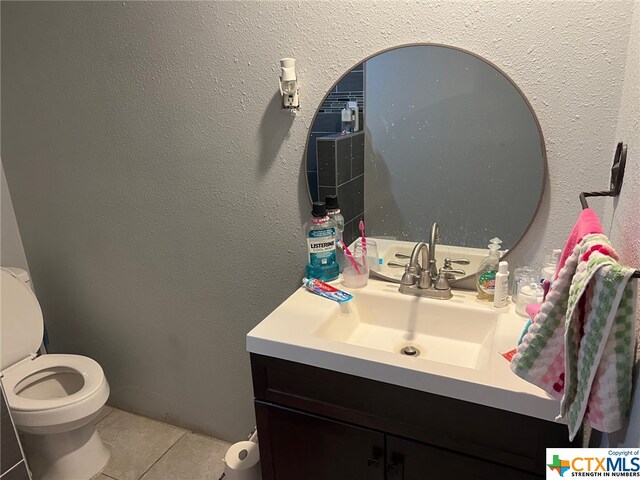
617,176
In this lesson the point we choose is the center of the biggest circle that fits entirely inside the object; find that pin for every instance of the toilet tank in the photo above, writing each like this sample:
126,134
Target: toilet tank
22,275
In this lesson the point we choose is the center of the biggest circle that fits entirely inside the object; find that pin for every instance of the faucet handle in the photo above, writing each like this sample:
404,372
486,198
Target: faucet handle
410,275
459,261
397,265
445,275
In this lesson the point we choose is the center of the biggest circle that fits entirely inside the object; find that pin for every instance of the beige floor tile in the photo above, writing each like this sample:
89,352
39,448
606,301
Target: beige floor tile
135,443
193,457
100,476
106,410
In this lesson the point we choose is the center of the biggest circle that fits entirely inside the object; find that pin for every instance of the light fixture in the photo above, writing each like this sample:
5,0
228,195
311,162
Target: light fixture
289,84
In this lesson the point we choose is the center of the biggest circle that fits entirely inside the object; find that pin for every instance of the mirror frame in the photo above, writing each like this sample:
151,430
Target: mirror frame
488,62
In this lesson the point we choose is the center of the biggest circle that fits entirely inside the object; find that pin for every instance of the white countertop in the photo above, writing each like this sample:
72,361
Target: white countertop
290,333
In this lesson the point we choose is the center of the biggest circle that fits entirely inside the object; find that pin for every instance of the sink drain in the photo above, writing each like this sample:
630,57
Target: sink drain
410,351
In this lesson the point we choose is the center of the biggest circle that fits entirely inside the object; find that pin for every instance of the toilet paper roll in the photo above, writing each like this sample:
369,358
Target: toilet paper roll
242,462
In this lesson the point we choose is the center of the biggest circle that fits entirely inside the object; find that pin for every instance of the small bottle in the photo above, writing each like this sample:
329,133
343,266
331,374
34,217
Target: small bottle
321,244
549,270
502,285
486,274
347,120
333,211
355,116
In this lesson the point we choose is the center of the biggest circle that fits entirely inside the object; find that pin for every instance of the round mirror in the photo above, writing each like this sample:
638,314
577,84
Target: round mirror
440,135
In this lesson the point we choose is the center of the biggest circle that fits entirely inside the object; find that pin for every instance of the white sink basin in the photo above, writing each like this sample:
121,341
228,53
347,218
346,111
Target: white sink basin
441,331
460,342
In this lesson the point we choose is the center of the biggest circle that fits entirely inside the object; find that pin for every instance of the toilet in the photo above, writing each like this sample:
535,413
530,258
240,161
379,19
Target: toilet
53,398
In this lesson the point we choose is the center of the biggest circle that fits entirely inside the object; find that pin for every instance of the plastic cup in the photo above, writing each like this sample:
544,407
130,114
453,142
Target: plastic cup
522,276
356,276
373,260
527,294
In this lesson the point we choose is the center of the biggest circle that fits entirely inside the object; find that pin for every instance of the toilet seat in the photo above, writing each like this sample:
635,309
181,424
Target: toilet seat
60,412
89,369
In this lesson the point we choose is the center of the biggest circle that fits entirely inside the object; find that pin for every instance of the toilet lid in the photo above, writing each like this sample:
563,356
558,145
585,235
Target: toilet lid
21,326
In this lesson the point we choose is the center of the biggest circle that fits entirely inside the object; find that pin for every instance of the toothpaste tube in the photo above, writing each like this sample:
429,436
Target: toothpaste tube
325,290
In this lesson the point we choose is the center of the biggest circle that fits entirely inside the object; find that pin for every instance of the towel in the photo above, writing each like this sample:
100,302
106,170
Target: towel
580,346
586,224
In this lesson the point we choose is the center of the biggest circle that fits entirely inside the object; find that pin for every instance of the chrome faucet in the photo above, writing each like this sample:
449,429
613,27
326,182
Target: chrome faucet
414,274
424,279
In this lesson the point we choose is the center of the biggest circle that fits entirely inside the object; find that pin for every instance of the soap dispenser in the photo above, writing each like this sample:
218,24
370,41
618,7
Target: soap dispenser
486,274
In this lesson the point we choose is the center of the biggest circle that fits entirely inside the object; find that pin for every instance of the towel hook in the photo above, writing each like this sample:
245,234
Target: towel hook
617,175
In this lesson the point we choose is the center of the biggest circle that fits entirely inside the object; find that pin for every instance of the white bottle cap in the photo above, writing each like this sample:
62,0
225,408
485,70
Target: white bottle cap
503,267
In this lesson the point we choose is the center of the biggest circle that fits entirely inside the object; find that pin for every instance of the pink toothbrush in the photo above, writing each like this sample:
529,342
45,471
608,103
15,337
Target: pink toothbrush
364,239
348,254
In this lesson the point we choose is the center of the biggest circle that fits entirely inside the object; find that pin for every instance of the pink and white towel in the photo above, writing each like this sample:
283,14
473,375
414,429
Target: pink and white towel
580,346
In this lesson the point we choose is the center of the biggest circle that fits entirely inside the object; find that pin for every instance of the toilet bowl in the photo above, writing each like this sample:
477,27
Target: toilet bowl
53,398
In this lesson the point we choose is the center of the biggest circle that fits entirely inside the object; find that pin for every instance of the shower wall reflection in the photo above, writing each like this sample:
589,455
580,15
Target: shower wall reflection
335,162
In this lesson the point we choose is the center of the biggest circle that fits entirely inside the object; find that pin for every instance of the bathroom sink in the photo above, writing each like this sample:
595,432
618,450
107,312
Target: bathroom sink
458,343
450,332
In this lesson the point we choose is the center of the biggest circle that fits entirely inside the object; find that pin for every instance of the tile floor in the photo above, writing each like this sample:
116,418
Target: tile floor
146,449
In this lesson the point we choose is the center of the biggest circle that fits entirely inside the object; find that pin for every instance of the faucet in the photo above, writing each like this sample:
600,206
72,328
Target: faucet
424,279
414,273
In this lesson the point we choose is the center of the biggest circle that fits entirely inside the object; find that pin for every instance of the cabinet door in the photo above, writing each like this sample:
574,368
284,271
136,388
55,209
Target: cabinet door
297,446
409,460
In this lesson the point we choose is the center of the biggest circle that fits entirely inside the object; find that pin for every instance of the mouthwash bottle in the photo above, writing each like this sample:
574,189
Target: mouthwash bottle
321,244
333,211
486,274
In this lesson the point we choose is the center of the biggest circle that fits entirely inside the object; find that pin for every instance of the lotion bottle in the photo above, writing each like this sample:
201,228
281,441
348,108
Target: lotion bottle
502,285
486,274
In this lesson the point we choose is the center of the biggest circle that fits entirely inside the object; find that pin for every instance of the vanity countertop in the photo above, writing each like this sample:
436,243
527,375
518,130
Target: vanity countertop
297,331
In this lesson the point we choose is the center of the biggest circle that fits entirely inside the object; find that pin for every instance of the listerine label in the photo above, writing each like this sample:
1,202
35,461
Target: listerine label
322,246
487,282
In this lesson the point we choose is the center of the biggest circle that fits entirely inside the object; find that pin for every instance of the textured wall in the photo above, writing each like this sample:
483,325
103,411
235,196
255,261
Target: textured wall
11,248
621,218
160,190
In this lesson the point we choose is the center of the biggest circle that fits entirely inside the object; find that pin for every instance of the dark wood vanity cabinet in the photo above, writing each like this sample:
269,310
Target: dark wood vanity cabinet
317,424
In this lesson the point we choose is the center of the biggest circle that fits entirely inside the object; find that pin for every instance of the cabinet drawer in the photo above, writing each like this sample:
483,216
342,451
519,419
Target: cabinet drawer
504,437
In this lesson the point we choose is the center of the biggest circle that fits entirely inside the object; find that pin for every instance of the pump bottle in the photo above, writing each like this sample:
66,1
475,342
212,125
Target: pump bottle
486,274
549,270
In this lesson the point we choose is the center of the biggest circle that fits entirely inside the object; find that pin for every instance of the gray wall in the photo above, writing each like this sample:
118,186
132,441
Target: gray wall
11,249
159,189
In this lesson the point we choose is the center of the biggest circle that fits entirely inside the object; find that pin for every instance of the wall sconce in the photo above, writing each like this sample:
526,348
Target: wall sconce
289,84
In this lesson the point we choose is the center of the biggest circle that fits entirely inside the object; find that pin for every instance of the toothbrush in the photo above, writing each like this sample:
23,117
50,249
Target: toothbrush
364,239
347,253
